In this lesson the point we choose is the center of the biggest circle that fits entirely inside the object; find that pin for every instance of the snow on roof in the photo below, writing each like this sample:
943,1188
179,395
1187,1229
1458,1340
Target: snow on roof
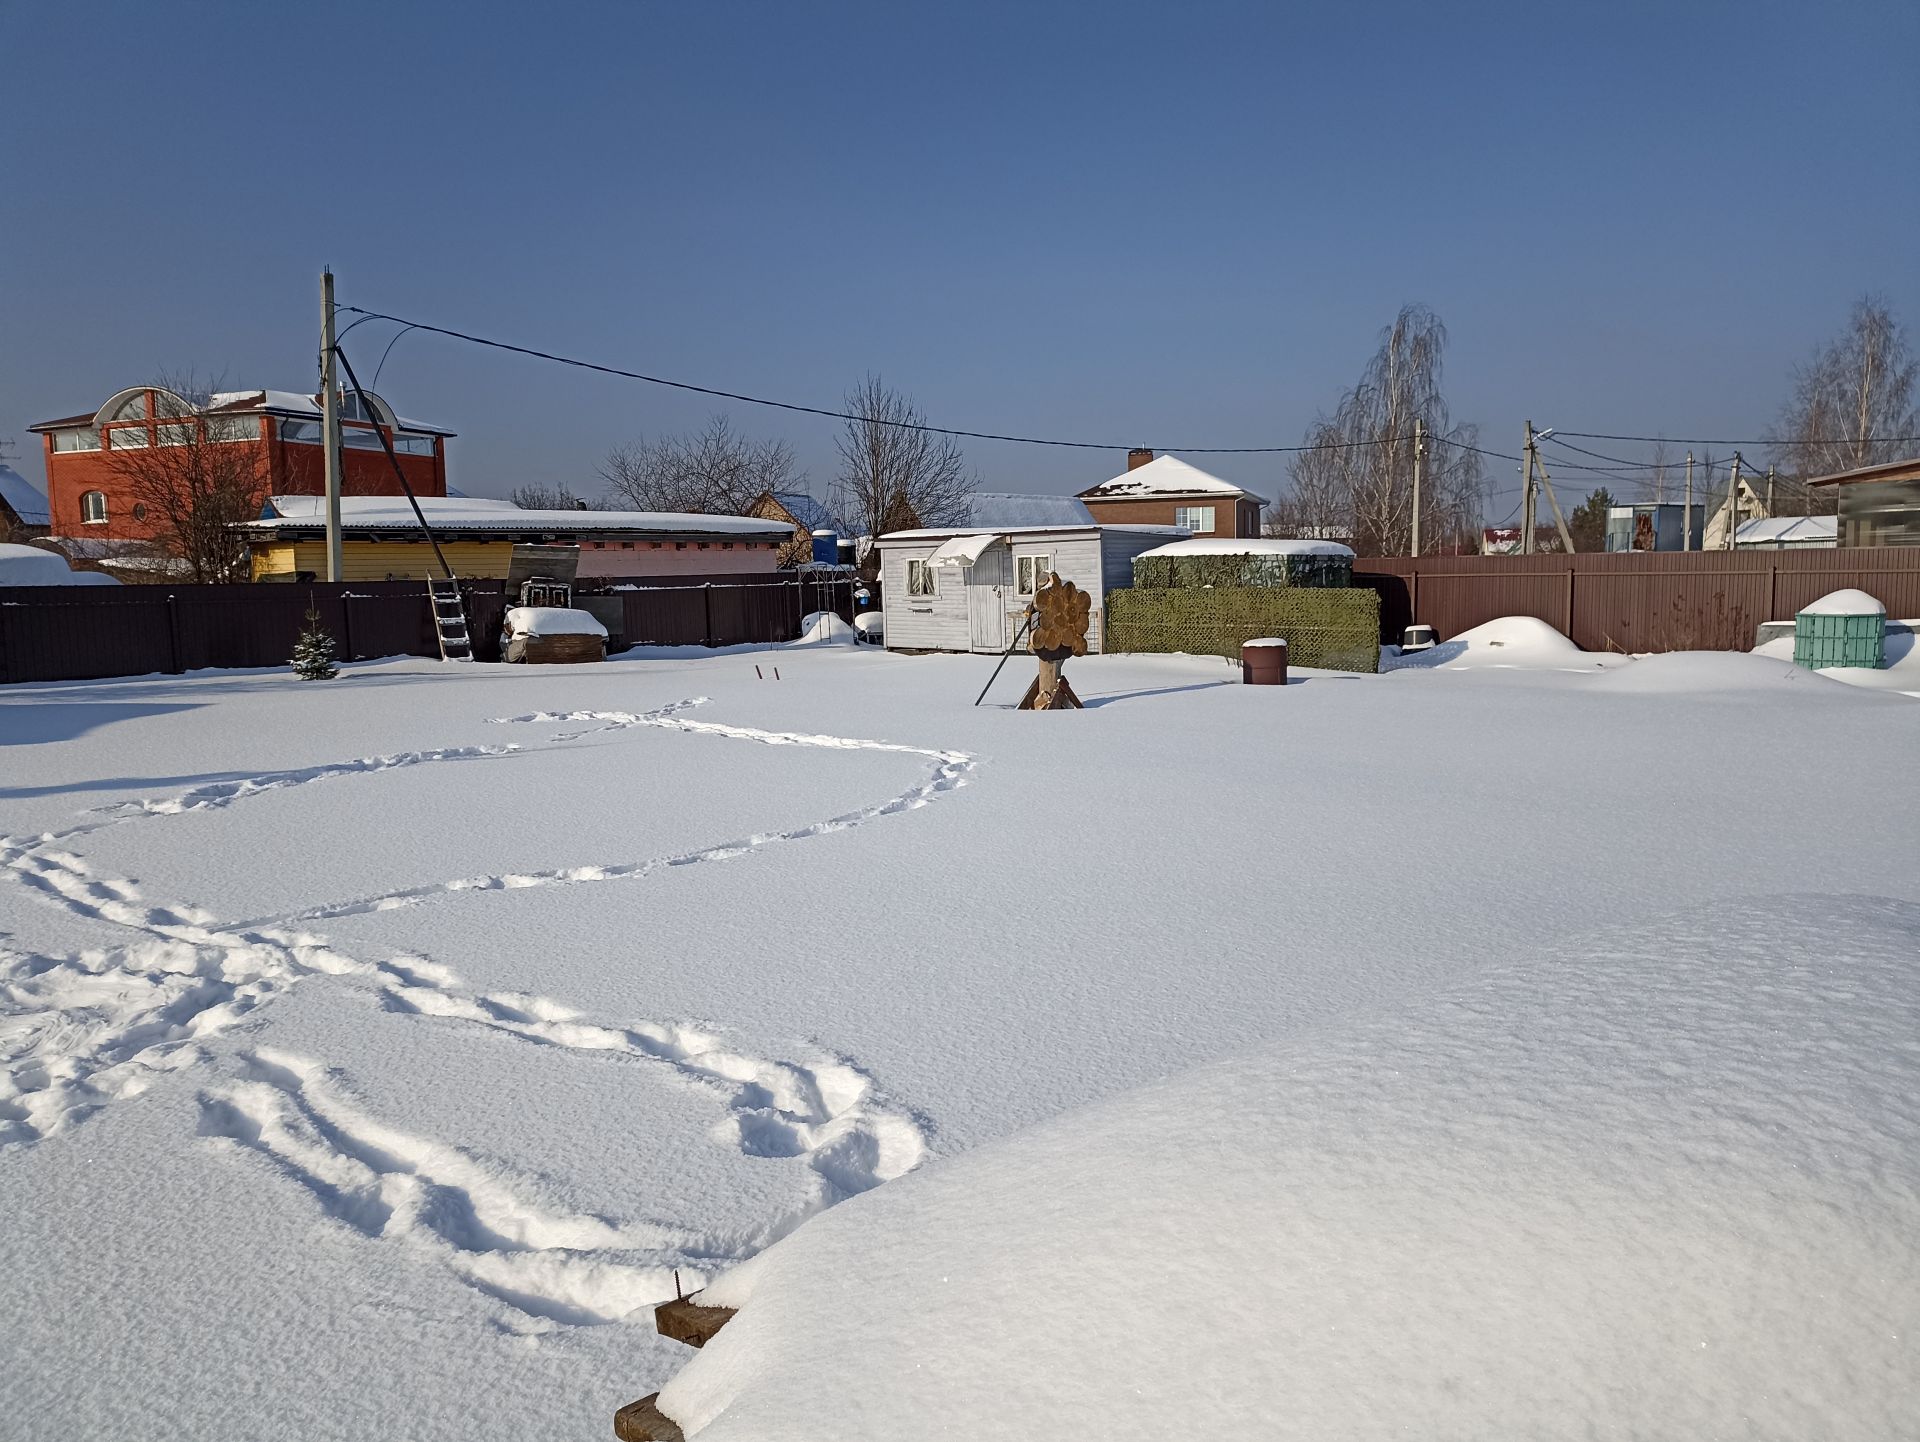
990,508
1248,546
31,566
472,513
24,498
1165,476
1015,532
1845,603
1805,529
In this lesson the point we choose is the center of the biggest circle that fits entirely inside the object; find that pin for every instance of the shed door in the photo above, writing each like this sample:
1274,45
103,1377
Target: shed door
989,584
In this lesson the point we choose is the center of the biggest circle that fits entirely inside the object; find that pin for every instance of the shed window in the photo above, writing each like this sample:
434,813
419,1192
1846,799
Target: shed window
93,508
920,578
1194,518
1029,571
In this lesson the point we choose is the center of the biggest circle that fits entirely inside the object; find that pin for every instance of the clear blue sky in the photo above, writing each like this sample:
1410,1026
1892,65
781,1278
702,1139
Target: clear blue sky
1162,224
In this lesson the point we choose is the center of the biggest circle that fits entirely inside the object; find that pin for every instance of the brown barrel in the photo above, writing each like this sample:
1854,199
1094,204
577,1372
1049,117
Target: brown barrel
1264,663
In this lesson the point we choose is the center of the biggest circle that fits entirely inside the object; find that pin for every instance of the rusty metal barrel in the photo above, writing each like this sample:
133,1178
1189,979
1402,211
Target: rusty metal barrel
1264,662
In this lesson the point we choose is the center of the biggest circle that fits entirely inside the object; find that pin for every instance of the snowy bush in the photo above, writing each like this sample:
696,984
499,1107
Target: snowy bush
313,652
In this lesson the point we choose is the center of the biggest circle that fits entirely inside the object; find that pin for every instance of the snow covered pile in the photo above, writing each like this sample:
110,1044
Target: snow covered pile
824,628
1510,641
536,621
31,566
1845,603
1248,546
1677,1195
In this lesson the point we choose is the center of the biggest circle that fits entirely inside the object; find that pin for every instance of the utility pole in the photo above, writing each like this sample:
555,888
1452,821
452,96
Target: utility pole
1419,445
1529,498
1566,537
1686,512
1769,490
330,424
1733,500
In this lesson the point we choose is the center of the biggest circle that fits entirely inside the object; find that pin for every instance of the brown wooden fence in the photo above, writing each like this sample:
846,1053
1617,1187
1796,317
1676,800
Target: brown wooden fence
70,633
1636,600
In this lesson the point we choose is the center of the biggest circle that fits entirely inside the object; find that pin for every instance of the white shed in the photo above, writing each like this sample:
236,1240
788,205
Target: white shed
968,589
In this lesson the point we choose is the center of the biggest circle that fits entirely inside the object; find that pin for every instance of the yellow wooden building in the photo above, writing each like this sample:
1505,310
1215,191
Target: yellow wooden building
380,539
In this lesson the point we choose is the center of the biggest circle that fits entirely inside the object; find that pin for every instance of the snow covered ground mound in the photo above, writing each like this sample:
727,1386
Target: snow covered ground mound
1677,1195
824,628
1516,642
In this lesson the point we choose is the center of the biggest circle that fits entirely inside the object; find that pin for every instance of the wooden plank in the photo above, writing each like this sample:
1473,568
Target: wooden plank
685,1320
643,1421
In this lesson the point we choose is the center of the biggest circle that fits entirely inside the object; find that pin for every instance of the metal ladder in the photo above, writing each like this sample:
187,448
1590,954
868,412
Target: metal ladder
449,619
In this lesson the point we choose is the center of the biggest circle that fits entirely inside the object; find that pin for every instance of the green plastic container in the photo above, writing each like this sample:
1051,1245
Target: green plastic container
1838,640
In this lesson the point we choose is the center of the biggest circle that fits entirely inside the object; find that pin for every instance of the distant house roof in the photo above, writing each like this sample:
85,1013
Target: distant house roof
365,516
1017,511
26,500
1248,546
1165,477
240,402
1788,530
993,533
805,510
1885,471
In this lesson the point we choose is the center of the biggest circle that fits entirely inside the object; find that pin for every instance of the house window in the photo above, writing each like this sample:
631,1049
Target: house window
127,438
1194,518
93,508
84,438
233,428
920,578
1029,570
176,433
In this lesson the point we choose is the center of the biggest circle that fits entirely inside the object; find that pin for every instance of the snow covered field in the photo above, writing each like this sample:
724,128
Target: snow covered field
374,1050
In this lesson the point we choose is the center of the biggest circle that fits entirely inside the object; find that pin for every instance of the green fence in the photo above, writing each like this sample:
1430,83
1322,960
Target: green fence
1328,627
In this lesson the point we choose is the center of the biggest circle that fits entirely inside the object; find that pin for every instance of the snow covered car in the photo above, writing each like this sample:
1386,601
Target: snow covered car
551,634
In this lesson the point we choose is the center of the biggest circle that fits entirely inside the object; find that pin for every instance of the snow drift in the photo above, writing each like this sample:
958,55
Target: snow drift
31,566
1511,641
1677,1195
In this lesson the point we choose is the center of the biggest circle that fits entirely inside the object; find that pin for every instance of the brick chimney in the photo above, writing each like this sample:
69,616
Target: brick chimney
1138,457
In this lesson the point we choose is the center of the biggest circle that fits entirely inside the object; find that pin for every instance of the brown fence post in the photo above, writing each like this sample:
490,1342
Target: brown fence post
706,601
1773,590
1569,627
346,625
1413,600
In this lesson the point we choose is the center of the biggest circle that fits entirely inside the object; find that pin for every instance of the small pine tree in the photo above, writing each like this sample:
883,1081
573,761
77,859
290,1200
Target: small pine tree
313,652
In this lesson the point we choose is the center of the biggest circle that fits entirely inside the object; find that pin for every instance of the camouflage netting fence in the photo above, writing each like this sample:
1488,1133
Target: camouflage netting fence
1336,628
1253,568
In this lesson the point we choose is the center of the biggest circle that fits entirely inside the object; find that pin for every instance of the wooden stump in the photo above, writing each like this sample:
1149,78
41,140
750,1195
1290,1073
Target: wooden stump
685,1320
1049,690
643,1421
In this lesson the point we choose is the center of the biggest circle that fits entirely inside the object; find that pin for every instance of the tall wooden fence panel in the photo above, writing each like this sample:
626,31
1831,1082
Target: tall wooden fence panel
1635,601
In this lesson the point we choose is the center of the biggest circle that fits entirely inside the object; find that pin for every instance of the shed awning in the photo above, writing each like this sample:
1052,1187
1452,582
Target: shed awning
962,550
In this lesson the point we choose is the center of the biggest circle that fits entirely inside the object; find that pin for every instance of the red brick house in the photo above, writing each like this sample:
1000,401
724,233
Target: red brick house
1169,492
88,497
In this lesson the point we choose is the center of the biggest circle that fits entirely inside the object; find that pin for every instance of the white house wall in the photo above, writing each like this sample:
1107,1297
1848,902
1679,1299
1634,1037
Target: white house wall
940,622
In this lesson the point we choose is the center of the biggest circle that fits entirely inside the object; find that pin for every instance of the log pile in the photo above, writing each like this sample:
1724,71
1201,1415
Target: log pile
1061,611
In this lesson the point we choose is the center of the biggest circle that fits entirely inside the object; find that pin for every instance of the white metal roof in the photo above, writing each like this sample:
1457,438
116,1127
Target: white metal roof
1807,530
464,513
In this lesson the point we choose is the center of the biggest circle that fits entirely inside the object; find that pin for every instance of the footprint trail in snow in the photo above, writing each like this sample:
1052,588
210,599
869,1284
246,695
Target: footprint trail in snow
82,1030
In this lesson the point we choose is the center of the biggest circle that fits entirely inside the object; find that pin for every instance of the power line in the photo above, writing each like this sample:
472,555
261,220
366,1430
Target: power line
1697,441
849,415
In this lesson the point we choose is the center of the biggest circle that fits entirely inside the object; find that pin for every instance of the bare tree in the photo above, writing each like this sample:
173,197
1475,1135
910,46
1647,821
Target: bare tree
715,471
547,498
1357,480
1851,399
894,474
202,474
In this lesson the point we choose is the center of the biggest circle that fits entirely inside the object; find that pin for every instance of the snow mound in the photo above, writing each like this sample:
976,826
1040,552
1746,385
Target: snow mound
872,625
550,621
1248,546
1679,671
1845,603
824,628
1512,641
1673,1195
31,566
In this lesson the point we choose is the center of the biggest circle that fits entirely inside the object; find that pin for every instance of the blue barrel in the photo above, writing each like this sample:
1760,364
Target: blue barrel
826,548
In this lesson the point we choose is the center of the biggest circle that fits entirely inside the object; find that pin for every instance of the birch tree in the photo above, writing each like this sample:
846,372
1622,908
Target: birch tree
1357,480
1851,400
894,477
